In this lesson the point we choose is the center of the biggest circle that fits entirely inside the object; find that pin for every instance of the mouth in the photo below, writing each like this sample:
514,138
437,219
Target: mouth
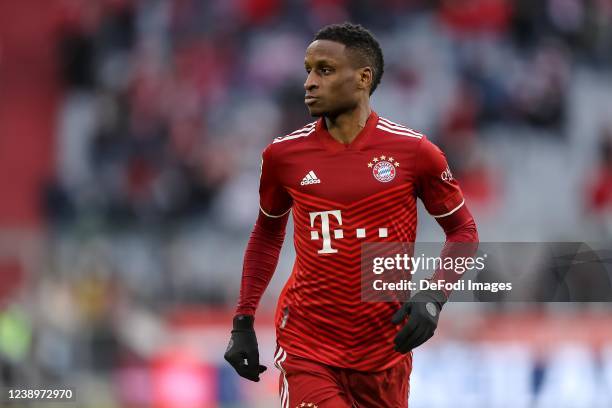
309,100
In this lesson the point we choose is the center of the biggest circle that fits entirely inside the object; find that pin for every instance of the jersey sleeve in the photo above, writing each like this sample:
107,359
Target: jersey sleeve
436,185
274,200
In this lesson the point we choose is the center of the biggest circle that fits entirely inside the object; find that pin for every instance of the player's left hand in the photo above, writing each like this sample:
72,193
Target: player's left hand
422,310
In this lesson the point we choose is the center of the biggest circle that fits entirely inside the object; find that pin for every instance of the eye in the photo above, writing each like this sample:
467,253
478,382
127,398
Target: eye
326,71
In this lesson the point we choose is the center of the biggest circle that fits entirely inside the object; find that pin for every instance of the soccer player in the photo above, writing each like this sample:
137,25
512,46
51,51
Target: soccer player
348,178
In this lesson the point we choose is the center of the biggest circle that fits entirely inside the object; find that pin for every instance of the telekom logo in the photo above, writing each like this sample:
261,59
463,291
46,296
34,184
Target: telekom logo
338,233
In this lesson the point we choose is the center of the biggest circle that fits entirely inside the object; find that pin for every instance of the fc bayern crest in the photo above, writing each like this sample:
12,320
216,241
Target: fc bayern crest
383,168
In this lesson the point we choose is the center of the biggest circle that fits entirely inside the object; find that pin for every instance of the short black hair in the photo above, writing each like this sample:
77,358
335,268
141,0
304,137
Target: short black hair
359,39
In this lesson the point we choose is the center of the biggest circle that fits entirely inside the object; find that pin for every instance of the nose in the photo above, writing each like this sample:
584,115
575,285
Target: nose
310,81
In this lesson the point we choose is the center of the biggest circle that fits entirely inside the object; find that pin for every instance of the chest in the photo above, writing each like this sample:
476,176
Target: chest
350,175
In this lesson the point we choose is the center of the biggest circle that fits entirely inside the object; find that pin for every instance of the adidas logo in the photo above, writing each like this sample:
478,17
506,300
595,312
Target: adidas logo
310,178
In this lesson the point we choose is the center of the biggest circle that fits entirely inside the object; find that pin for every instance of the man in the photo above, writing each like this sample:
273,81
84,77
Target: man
350,177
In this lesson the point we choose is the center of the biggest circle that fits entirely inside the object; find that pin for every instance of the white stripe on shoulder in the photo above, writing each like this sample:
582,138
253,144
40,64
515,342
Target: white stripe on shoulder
394,126
305,128
451,211
297,136
391,122
273,216
398,132
305,131
397,126
301,131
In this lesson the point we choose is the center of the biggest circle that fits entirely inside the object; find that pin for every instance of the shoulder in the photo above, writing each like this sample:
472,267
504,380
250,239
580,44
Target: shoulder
398,131
428,154
296,134
280,144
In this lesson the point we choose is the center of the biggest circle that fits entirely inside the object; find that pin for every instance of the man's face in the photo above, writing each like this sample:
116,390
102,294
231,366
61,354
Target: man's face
333,83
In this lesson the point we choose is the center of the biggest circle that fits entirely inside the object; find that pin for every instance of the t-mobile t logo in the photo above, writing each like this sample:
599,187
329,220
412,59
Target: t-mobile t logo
327,249
338,233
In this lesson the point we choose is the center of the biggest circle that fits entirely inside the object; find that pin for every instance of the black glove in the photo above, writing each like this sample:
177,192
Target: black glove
242,351
422,310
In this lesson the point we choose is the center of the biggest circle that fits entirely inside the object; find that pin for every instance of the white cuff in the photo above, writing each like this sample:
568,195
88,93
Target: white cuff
273,216
451,211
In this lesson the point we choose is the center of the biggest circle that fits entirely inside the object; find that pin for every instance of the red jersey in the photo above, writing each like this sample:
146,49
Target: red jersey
342,196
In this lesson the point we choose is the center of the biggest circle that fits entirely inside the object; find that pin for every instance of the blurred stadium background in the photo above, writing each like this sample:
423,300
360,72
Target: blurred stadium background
130,138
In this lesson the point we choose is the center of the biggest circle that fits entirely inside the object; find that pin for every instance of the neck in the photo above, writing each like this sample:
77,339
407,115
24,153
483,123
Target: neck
345,127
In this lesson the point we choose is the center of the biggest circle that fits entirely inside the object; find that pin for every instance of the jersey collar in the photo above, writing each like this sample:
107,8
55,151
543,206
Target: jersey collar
332,144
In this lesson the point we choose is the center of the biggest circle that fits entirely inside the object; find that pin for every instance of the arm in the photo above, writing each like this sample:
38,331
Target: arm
461,241
263,249
260,260
443,199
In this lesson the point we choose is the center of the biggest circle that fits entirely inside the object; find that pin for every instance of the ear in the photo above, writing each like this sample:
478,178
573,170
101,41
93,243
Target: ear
366,76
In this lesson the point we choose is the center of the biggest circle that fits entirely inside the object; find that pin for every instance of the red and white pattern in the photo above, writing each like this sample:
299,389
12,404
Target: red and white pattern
320,312
279,358
303,132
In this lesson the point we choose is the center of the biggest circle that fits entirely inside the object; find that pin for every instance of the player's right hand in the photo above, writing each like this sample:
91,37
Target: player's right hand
242,351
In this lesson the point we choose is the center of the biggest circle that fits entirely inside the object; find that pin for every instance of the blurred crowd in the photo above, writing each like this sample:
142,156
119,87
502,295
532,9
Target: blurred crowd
169,102
166,106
